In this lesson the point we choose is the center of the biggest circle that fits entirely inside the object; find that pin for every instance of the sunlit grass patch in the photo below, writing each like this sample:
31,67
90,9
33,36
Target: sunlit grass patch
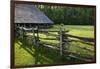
22,57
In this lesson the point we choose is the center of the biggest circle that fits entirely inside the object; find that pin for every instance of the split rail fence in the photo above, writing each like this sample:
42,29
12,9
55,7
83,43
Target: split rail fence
63,42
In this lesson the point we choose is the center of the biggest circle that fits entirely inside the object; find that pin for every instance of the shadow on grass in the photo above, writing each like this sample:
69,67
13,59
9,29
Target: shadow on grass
41,54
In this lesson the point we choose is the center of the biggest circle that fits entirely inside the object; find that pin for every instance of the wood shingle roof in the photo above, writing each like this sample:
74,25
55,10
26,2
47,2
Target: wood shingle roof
25,13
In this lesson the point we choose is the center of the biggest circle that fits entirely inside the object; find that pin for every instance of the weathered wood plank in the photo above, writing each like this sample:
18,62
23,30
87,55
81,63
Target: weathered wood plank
48,38
75,40
84,48
81,38
69,52
42,30
51,30
51,44
86,56
72,54
49,34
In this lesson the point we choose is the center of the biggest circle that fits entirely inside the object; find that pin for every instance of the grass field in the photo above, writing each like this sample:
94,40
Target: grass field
79,30
26,54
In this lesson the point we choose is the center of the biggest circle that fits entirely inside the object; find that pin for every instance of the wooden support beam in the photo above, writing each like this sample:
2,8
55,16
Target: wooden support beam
33,38
61,42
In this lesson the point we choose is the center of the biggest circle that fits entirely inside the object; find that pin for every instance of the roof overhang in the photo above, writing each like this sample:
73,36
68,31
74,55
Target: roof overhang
26,13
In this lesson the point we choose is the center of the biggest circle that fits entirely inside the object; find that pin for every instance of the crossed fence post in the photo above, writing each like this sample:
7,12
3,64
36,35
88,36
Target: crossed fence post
61,32
62,41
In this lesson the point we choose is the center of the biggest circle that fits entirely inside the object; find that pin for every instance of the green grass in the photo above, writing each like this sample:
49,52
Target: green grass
22,56
79,30
27,54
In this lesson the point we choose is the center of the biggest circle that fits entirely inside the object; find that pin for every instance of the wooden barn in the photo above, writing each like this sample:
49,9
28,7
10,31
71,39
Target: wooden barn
29,15
30,18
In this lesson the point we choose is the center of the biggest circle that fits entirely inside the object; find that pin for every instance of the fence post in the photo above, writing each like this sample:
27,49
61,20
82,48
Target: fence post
24,32
61,42
37,48
21,33
33,38
37,37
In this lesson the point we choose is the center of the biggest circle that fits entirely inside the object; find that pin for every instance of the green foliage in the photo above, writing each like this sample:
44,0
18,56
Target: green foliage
69,15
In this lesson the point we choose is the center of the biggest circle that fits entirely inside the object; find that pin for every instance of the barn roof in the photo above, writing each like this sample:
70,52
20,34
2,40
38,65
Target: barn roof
25,13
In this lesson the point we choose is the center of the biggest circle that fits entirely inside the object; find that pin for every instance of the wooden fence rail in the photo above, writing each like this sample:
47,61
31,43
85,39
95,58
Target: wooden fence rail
84,57
81,38
63,39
